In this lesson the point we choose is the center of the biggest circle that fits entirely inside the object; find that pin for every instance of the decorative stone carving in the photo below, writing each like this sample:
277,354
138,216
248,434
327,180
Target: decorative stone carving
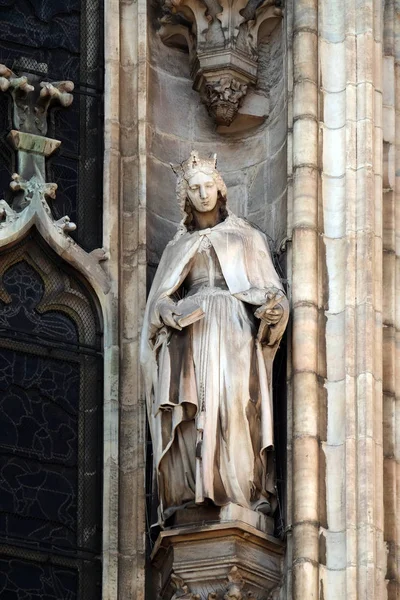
230,561
29,206
222,38
30,105
31,102
182,590
234,590
223,98
214,319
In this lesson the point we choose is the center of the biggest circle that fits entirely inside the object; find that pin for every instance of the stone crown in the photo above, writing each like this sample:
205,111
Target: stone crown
194,164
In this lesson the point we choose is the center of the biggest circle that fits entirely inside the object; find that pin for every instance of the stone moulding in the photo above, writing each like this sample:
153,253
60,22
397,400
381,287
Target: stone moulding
222,38
29,142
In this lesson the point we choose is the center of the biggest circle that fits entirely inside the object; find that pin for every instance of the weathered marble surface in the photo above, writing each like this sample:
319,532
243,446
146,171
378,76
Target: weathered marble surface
208,384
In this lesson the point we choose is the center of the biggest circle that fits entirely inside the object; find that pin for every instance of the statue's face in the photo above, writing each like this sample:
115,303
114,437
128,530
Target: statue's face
202,192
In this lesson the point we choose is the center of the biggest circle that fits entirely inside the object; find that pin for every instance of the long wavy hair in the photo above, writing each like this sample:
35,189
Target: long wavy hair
188,222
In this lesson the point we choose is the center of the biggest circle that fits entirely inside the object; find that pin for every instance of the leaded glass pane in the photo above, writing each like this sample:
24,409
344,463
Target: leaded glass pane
50,429
24,580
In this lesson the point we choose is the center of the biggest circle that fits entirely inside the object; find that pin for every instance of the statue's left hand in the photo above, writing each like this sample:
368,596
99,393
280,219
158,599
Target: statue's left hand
167,309
271,316
271,311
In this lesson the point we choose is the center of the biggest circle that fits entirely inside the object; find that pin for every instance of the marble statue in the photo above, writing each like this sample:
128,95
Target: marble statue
215,315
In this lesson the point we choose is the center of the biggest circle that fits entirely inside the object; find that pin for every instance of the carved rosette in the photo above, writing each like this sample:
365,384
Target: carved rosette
222,38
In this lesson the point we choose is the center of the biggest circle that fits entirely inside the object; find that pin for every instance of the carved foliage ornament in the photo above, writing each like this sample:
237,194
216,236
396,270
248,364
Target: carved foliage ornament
222,38
223,99
235,589
30,104
181,589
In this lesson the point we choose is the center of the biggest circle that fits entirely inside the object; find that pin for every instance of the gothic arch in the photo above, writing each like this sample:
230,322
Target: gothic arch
51,396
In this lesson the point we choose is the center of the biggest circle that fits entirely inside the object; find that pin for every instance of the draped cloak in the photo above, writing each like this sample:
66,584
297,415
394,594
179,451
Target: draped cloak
246,264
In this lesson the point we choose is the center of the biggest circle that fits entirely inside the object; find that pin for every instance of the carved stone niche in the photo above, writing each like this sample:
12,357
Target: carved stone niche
222,38
221,561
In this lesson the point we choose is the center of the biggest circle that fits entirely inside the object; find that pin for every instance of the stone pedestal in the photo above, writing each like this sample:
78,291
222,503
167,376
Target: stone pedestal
217,561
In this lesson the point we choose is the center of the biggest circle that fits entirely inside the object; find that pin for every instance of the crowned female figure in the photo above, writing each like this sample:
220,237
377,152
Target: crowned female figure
215,315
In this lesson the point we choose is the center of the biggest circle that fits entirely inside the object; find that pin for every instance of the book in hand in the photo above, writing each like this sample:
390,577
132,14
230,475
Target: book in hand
190,312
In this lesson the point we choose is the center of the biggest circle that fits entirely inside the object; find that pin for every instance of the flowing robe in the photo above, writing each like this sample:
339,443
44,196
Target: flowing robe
208,388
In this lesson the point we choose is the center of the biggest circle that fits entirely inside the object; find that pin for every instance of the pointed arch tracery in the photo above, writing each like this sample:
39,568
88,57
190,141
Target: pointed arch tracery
50,427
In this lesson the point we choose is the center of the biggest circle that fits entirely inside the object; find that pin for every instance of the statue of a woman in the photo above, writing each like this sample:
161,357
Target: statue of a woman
215,315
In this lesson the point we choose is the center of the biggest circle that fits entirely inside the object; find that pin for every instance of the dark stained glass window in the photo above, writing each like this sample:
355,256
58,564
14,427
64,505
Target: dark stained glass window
66,35
50,429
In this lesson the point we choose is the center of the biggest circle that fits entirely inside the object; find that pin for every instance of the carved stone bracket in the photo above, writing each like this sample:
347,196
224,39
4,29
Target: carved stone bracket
235,588
230,561
222,38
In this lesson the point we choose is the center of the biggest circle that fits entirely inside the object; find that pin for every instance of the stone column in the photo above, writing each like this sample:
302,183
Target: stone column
132,239
111,222
337,288
124,232
305,302
391,225
352,173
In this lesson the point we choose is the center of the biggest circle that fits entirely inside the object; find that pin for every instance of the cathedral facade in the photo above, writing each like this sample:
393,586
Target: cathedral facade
300,101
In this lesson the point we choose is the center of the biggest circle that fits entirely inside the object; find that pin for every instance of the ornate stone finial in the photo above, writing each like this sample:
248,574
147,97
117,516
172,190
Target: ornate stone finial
29,206
8,80
32,97
31,102
34,194
222,38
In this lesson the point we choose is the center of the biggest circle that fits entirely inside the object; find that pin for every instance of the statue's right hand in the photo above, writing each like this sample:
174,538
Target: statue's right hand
167,309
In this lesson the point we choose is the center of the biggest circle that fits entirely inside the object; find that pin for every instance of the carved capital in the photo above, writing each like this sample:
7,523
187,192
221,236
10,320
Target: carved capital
222,38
